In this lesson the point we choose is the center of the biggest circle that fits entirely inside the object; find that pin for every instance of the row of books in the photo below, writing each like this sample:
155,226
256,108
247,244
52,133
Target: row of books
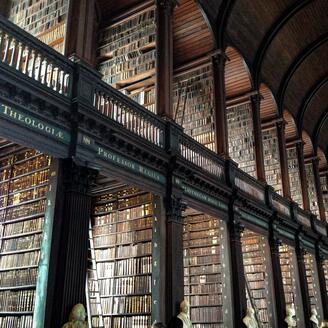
255,267
23,227
22,211
39,162
15,278
140,249
21,243
130,266
314,207
31,180
19,260
272,158
193,103
141,321
19,156
125,285
310,272
25,321
241,137
19,197
17,301
123,238
202,268
324,189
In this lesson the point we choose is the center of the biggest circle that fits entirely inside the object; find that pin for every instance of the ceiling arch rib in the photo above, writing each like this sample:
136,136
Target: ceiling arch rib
318,128
322,82
291,132
308,145
296,64
274,30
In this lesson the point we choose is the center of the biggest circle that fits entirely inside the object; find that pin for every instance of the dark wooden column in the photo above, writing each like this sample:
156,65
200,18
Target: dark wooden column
221,126
4,7
300,252
317,182
305,194
70,244
81,30
277,280
237,269
164,64
322,282
283,159
259,156
174,256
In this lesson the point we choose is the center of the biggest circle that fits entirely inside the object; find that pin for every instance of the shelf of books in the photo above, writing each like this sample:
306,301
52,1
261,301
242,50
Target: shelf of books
45,19
206,268
290,280
258,273
294,176
312,190
24,177
272,158
324,189
325,270
127,55
120,263
193,103
313,284
241,137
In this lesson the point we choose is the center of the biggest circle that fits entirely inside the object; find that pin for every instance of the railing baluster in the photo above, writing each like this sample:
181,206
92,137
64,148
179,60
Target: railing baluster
5,52
19,56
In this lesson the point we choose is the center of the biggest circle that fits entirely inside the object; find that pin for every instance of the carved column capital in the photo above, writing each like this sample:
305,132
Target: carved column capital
174,208
256,99
275,242
78,178
237,228
168,5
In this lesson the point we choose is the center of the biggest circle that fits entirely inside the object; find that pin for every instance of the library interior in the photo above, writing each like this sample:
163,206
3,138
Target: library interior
158,154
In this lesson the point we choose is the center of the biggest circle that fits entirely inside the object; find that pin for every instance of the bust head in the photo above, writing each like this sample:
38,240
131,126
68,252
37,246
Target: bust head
78,313
290,311
184,306
250,312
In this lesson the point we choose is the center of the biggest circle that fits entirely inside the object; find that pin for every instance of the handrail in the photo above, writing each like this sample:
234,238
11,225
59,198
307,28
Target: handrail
129,113
281,204
201,156
34,59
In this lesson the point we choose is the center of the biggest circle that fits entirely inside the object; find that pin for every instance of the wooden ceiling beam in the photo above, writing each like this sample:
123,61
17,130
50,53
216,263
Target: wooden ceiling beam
308,98
316,132
295,65
272,33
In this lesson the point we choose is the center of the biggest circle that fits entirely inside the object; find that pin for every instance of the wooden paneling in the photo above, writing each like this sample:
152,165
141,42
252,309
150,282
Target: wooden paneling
268,108
192,37
308,147
290,128
237,78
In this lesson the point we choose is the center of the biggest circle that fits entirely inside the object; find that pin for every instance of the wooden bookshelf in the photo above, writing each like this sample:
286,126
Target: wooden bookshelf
120,264
257,276
290,280
127,55
23,188
314,207
45,19
193,103
313,284
324,189
241,137
272,158
203,270
325,270
294,176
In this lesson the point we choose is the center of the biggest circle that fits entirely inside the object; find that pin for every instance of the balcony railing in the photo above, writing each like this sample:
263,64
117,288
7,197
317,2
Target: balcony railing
26,54
201,156
129,114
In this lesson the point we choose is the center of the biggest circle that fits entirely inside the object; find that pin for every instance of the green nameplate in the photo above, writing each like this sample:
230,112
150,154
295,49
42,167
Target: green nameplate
34,124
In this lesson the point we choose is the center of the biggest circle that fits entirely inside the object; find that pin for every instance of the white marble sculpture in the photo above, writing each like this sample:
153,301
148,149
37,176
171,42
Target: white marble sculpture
324,324
290,314
184,314
314,320
249,320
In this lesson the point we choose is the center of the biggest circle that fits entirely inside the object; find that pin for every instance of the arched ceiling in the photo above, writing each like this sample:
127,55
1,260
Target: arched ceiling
285,43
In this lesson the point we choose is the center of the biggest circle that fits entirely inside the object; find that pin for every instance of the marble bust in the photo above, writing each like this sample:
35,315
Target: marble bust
184,314
324,324
249,320
77,317
314,320
290,314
